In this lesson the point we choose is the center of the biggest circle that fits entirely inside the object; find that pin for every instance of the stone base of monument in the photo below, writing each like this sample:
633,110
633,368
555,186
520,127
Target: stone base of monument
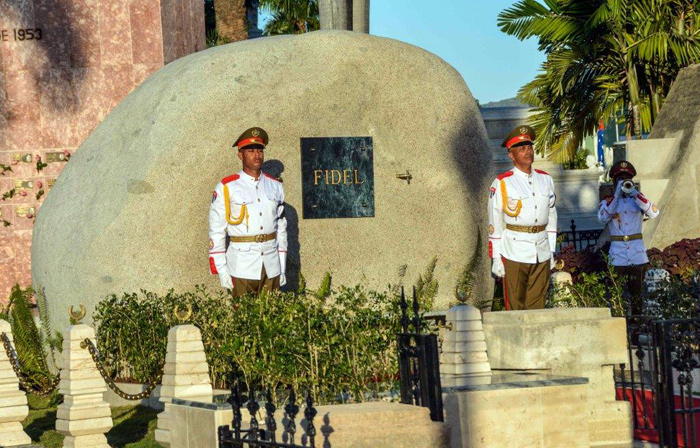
463,360
13,402
519,410
83,417
577,342
185,376
375,424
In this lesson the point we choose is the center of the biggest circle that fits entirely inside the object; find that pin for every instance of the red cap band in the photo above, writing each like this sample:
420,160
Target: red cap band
518,138
249,141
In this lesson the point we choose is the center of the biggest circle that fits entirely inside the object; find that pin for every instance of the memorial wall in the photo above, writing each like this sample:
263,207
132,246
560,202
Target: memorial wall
65,64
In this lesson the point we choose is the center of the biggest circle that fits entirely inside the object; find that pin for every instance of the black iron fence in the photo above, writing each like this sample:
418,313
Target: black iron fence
235,436
580,239
662,380
419,363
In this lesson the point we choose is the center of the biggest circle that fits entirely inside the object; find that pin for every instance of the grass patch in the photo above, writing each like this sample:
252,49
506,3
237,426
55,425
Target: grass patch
134,427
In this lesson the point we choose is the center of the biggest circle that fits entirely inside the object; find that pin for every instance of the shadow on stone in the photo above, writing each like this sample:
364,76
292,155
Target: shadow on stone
275,168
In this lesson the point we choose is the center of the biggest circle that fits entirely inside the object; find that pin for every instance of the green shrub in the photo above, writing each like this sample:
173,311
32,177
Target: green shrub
333,342
592,290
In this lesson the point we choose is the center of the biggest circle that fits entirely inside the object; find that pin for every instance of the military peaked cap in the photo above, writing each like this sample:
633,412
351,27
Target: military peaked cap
518,136
620,167
252,138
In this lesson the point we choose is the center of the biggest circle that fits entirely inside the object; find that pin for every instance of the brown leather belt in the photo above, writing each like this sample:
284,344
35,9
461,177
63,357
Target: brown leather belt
636,236
253,238
526,229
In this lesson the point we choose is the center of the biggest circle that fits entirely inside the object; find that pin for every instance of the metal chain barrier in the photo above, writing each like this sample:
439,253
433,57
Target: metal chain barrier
87,343
14,362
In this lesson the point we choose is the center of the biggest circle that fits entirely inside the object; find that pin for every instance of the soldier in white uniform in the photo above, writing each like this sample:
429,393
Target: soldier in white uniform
623,213
248,208
522,225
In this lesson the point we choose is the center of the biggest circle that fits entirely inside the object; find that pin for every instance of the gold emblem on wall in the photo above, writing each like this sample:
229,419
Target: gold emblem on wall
24,211
26,158
53,157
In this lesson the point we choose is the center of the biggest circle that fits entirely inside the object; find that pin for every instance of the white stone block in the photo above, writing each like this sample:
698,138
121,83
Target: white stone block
13,413
93,441
12,434
185,346
463,369
463,357
186,357
463,313
186,380
83,412
185,369
464,336
84,427
470,325
186,391
184,333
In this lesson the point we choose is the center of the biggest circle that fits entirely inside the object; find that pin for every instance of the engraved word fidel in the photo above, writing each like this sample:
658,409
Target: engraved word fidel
344,177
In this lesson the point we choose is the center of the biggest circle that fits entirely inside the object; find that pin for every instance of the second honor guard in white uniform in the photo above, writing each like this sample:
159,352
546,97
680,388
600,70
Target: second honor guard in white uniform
522,225
624,213
248,208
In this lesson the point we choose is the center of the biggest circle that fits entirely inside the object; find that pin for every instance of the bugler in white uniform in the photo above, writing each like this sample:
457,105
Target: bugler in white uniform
624,215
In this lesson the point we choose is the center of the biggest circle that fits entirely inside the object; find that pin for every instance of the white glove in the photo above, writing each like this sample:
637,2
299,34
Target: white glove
618,189
225,280
283,279
283,268
497,268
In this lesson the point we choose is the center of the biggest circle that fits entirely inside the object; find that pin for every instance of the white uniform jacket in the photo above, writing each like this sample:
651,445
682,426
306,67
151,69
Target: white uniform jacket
522,199
624,216
263,214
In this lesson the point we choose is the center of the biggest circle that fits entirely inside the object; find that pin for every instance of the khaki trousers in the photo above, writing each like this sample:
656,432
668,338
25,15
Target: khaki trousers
525,285
243,286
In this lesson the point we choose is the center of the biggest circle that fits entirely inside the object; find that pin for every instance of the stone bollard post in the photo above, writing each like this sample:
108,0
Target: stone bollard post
13,402
84,417
185,376
464,360
562,282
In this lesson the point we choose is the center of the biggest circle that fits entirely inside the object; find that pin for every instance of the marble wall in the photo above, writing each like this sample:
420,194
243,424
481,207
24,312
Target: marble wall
65,64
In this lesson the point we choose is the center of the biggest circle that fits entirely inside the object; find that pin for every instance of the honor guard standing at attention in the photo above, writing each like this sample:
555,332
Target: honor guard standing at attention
522,225
623,213
248,208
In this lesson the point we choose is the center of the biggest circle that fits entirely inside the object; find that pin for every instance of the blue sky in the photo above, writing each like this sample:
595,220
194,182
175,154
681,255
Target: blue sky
464,33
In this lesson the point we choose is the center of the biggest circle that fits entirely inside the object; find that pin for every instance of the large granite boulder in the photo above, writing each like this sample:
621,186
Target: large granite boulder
130,210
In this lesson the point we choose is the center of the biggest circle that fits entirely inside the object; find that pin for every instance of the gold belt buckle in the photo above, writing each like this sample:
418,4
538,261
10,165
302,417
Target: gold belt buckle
259,238
533,229
626,238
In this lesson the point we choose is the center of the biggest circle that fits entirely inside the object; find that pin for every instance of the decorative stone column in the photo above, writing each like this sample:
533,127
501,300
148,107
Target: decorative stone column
84,417
185,375
13,402
464,360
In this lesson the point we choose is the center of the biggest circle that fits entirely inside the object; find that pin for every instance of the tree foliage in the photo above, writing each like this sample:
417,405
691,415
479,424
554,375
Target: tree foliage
605,59
290,16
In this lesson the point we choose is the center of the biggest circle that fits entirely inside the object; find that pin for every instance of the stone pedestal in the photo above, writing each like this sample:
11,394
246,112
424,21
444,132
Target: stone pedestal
579,342
63,66
463,359
519,410
84,417
13,402
185,376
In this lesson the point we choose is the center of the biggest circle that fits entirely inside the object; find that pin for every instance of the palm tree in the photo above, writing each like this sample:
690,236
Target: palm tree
605,59
231,24
290,16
